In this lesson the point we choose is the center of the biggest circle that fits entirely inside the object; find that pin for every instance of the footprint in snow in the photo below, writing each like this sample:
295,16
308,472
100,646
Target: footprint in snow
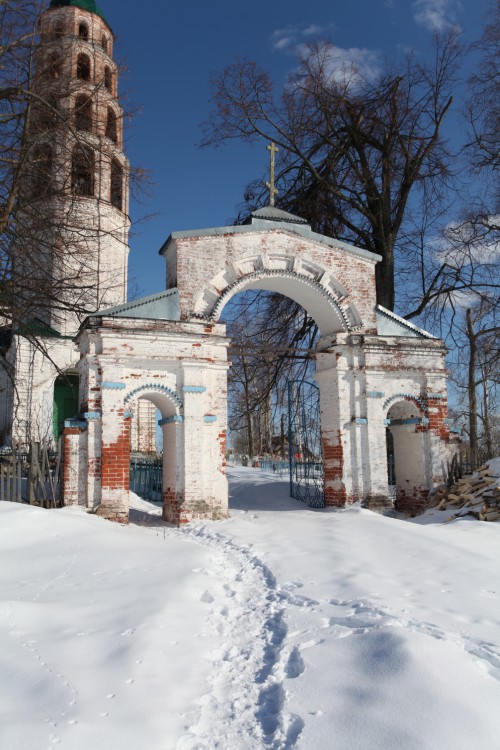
206,597
295,664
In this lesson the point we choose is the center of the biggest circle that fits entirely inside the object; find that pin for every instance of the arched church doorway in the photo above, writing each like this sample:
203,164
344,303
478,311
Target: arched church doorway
406,435
65,403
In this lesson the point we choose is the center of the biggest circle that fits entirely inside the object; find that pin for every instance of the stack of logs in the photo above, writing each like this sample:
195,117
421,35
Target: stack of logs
475,495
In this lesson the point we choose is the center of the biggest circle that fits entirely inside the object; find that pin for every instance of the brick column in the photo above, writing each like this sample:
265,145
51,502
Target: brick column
75,462
335,492
115,453
439,436
377,497
173,468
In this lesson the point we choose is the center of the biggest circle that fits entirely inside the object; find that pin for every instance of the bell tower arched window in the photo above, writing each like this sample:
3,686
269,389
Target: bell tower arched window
54,65
82,171
83,31
83,67
59,30
41,182
104,43
111,126
116,192
46,113
83,114
107,78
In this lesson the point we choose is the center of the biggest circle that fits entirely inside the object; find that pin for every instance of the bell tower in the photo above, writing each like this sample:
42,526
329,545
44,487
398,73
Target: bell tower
80,171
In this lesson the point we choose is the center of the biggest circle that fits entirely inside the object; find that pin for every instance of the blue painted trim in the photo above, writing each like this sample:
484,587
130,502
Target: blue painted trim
361,420
387,422
414,420
375,394
209,419
128,414
194,388
92,415
75,424
176,419
436,396
455,430
113,386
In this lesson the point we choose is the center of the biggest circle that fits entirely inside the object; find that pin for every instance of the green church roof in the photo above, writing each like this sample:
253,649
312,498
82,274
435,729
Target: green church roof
90,5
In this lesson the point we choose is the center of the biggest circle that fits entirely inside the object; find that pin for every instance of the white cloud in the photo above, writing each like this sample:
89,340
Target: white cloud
436,15
351,64
290,37
467,244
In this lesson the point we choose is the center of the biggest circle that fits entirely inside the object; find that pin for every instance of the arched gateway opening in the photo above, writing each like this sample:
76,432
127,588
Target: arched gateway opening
172,349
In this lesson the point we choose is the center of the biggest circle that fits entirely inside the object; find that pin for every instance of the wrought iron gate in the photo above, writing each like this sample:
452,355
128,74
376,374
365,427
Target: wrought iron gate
304,443
146,478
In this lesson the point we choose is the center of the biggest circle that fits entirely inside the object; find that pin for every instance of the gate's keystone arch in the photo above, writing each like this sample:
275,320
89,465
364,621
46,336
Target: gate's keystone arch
169,348
333,281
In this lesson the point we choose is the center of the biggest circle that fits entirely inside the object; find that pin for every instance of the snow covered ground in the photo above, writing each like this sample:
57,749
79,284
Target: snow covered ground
282,628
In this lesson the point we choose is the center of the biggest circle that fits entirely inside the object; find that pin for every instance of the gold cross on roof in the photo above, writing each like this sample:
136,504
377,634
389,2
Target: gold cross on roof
272,190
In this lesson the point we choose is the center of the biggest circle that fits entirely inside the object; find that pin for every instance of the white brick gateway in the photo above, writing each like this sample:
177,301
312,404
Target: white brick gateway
374,370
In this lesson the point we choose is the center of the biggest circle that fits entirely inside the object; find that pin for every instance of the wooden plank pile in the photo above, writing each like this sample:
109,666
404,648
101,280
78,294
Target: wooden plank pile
476,495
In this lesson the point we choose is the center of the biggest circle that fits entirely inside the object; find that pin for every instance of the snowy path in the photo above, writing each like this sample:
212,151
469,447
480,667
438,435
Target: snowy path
245,706
280,628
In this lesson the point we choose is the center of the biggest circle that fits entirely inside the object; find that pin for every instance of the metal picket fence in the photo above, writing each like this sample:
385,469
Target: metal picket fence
32,476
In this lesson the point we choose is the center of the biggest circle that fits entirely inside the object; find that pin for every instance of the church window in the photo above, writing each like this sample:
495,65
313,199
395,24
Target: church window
41,182
83,68
82,171
107,78
104,43
83,114
46,113
111,127
54,65
116,185
83,31
59,30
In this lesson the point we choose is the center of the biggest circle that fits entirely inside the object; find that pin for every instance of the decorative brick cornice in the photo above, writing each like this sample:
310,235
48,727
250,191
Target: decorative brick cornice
243,280
435,396
406,397
156,388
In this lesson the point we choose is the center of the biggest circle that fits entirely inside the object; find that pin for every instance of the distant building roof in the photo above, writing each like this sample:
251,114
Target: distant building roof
390,324
89,5
159,306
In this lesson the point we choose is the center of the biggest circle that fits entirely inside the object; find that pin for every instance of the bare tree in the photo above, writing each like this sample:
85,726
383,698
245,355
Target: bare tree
353,150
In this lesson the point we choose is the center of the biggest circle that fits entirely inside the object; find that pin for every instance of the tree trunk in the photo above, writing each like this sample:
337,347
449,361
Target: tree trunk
471,388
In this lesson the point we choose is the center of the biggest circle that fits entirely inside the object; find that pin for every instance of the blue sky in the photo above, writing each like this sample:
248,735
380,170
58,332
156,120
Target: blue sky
171,48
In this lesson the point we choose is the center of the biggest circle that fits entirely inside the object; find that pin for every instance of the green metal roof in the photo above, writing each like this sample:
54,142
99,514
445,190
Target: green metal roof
89,5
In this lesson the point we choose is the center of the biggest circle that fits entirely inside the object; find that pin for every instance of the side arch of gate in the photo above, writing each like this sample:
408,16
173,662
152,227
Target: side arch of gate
305,443
161,481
